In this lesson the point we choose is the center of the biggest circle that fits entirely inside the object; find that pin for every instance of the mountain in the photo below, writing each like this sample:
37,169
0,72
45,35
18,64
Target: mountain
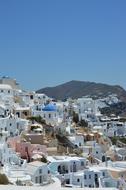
76,89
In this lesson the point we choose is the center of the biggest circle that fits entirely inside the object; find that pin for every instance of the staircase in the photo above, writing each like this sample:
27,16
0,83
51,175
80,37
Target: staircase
65,141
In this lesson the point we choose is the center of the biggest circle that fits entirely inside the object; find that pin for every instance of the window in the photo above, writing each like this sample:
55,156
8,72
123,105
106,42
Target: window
8,91
96,175
1,90
36,180
85,177
25,113
96,152
40,171
18,114
10,124
78,180
103,174
40,179
89,176
31,97
5,128
82,163
89,185
17,125
49,115
67,181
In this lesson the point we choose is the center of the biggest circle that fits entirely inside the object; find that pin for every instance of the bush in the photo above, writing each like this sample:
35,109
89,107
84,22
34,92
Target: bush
115,139
75,117
34,127
43,159
123,119
37,119
83,123
3,179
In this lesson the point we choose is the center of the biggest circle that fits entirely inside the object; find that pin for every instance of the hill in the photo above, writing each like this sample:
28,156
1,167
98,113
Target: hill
77,89
118,109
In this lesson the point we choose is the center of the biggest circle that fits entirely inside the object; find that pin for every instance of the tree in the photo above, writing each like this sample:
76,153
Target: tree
75,117
83,123
37,119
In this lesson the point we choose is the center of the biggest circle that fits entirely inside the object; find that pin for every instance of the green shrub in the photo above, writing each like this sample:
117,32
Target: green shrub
37,119
83,123
75,117
43,159
3,179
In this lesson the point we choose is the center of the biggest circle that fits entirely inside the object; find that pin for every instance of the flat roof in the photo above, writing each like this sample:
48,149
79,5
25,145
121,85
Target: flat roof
36,163
63,158
5,86
47,187
22,108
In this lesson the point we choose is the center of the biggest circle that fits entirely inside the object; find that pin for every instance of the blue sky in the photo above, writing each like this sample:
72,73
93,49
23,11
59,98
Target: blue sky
48,42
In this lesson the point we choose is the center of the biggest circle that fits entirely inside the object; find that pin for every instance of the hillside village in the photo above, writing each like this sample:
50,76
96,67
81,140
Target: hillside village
61,144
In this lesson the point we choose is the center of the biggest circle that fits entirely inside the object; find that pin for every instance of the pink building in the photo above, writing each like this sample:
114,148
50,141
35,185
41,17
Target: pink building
26,149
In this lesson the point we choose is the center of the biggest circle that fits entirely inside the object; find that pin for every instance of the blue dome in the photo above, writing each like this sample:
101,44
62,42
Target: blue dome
49,107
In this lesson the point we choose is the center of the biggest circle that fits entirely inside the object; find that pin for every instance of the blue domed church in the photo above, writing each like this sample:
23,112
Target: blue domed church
50,113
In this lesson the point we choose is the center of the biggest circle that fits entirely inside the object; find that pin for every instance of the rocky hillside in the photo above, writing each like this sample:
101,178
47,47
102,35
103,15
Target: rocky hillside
76,89
118,109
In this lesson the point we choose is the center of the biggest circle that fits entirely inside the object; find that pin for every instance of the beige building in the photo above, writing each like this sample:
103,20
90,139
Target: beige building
9,81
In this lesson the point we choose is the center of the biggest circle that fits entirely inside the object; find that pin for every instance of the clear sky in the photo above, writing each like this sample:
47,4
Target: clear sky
48,42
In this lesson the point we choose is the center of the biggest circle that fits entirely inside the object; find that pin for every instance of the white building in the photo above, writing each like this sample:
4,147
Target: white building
39,172
87,109
63,165
7,155
6,90
77,140
48,113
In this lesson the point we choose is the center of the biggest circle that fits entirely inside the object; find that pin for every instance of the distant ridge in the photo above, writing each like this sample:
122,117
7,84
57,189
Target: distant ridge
76,89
